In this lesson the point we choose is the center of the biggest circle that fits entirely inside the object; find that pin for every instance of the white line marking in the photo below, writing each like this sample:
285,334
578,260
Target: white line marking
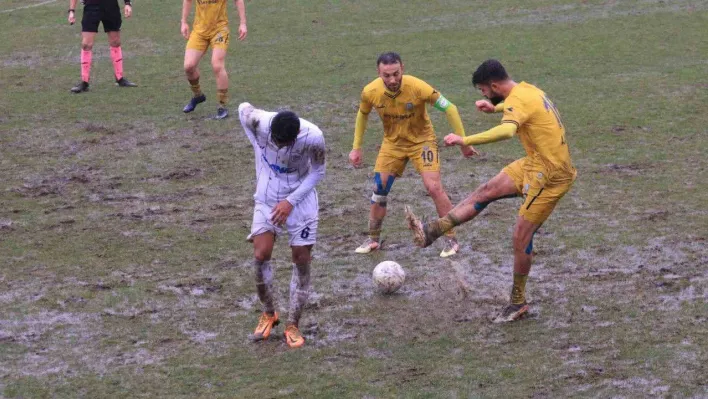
29,6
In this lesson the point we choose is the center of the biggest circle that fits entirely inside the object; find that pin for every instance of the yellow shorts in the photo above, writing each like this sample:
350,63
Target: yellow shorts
393,159
200,40
540,197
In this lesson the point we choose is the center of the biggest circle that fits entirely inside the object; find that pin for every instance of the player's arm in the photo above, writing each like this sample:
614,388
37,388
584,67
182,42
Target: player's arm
254,121
242,29
186,8
488,107
72,11
453,118
317,153
504,131
451,112
362,118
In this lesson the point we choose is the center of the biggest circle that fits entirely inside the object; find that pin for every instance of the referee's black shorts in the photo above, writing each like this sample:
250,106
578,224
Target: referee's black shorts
107,12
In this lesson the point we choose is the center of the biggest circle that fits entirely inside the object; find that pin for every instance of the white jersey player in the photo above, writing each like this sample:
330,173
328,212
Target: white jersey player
290,161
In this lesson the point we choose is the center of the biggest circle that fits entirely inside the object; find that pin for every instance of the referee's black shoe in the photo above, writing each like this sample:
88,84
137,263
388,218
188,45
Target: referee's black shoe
193,103
81,87
123,82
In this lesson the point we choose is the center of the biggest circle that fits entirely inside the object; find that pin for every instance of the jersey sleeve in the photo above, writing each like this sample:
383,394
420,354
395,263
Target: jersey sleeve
316,151
255,122
365,104
515,111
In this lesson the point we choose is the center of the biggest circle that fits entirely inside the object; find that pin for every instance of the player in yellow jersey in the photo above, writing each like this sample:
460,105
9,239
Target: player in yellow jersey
400,100
542,177
210,28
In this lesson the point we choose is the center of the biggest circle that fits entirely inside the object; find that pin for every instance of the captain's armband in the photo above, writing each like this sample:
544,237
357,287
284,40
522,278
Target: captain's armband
442,104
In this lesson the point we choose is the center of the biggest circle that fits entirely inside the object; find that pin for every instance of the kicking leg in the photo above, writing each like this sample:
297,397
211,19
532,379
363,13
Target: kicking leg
501,186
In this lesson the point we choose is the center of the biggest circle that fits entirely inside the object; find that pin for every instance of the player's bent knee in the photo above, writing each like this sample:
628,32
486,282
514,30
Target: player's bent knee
436,190
261,255
378,199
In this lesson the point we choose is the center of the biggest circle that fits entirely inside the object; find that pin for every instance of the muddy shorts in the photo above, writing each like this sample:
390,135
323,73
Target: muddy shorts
201,40
301,224
393,159
540,197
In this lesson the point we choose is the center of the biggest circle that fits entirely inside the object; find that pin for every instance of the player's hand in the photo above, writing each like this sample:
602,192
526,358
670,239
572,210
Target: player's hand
484,106
128,10
281,212
453,139
242,32
355,157
185,30
72,18
468,151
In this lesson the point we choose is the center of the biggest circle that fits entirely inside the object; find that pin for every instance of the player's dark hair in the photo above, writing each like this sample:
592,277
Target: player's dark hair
284,127
489,72
389,59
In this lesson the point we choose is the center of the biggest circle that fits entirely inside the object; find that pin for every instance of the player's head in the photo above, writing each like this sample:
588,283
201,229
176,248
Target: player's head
390,68
488,78
284,128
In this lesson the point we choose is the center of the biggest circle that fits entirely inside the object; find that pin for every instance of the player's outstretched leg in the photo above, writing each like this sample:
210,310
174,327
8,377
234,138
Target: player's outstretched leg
421,235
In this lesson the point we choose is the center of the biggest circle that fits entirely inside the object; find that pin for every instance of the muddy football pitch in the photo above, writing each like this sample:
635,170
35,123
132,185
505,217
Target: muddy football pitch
124,270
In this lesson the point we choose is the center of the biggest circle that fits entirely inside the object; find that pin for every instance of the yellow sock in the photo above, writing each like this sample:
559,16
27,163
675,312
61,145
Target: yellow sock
518,292
223,96
196,89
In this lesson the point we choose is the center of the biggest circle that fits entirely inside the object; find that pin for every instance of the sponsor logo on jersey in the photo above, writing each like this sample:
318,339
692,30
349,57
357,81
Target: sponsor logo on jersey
277,168
409,106
399,117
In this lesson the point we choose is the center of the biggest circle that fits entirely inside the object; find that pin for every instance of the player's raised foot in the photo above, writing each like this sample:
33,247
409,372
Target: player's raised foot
265,325
511,313
294,337
368,246
451,247
193,103
123,82
420,236
80,88
221,113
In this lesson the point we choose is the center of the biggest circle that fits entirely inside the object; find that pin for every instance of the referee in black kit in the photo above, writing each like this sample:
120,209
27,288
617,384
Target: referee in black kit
108,13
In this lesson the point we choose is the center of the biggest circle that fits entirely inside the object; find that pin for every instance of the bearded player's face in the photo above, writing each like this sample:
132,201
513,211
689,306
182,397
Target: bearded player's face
392,75
490,92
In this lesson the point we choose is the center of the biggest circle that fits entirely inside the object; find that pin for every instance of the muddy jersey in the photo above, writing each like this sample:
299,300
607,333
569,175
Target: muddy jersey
290,172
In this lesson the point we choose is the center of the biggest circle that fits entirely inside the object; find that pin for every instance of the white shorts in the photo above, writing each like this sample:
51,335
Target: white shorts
301,224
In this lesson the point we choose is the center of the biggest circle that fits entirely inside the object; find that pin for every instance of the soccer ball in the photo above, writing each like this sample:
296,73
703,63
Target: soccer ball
388,277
